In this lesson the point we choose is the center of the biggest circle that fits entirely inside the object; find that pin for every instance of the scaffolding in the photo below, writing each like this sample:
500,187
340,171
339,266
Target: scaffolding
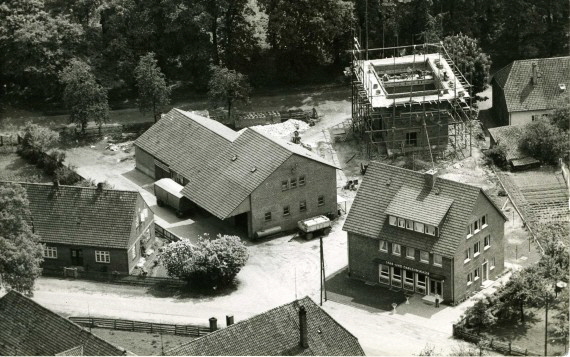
410,99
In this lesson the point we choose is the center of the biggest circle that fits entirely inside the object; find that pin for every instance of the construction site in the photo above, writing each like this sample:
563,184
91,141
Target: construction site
410,100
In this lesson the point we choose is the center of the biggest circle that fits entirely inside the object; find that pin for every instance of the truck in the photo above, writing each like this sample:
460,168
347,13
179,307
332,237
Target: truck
310,227
169,193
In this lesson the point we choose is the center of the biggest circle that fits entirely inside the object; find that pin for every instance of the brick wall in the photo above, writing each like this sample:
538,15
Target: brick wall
119,259
269,197
144,162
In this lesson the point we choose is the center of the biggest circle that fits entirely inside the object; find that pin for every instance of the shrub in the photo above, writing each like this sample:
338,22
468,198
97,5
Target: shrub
209,263
66,175
497,155
544,141
479,315
36,141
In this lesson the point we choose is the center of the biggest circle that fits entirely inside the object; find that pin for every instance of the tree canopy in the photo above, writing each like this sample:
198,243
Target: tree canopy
470,59
544,141
153,92
20,250
227,86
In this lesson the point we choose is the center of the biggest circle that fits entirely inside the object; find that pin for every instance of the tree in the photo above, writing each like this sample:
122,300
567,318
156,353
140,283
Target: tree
470,59
562,318
211,263
153,91
560,117
228,86
479,315
86,99
20,250
37,140
498,155
544,141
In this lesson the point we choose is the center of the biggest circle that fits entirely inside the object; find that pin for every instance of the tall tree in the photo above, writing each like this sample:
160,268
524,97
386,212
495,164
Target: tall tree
544,141
34,46
20,250
227,86
479,315
86,99
153,92
469,57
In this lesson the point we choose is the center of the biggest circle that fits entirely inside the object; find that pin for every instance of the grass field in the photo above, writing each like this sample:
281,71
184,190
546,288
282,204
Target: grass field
14,168
140,343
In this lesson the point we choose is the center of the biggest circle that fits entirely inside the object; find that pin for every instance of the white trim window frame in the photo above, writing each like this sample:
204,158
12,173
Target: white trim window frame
393,221
469,279
492,263
384,274
424,256
487,242
50,252
383,246
410,253
484,220
102,256
476,249
467,255
396,249
437,260
476,274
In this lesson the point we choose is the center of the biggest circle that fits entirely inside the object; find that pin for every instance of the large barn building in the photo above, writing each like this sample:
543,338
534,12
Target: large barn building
424,234
260,183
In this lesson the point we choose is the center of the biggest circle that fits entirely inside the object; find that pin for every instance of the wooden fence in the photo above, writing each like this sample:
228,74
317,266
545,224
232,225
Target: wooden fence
114,278
505,348
165,233
140,326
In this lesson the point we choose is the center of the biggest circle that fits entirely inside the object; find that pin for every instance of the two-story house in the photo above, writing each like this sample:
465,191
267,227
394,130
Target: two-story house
94,229
422,233
260,183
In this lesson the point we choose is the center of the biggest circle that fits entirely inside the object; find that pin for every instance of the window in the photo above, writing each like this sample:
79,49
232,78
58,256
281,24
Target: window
535,117
321,200
396,249
267,216
437,260
410,253
50,252
419,227
469,231
477,272
476,249
384,274
421,283
424,256
492,263
409,280
293,183
383,246
469,279
484,221
102,256
302,181
302,206
467,255
487,242
401,223
476,226
393,221
430,230
409,224
286,211
284,185
412,139
396,276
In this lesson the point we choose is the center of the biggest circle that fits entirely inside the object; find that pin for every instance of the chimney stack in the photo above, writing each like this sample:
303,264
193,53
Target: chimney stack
100,187
213,324
534,79
229,320
304,342
56,184
430,177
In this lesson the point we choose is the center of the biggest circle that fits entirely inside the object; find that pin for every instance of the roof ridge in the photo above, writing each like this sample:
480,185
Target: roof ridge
48,184
82,329
540,58
232,326
186,114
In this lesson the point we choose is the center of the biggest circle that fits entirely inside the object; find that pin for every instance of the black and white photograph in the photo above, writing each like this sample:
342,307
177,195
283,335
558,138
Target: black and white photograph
284,177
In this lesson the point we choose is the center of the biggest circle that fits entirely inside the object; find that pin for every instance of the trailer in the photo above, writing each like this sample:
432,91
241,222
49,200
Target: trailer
310,227
169,193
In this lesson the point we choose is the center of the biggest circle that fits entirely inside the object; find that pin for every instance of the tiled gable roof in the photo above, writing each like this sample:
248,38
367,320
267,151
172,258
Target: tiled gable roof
276,332
81,215
220,184
28,329
522,95
185,140
510,136
382,183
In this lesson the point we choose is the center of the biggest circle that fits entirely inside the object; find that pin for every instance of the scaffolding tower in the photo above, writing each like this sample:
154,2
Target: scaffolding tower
410,99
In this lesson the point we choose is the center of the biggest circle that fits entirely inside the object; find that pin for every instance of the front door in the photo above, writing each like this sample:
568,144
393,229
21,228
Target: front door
485,271
76,257
435,288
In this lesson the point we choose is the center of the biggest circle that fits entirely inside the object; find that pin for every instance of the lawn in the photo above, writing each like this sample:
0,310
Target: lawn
14,168
142,343
529,335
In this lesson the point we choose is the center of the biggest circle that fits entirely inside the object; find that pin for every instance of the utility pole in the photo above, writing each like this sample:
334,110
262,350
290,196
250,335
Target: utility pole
323,276
366,27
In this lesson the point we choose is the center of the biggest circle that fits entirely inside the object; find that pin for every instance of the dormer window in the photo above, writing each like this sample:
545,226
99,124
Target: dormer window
413,225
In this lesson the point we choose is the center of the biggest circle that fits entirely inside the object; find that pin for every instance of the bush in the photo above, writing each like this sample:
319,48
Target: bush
544,141
497,155
209,263
66,175
36,141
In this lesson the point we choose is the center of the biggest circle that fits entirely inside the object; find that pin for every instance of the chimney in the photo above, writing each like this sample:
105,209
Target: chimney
56,184
229,320
213,324
100,187
304,342
430,177
534,78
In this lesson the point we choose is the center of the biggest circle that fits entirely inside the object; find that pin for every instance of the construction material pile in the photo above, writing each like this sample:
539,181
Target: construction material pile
284,129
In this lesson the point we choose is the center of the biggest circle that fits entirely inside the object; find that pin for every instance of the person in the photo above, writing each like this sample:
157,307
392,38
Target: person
436,300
